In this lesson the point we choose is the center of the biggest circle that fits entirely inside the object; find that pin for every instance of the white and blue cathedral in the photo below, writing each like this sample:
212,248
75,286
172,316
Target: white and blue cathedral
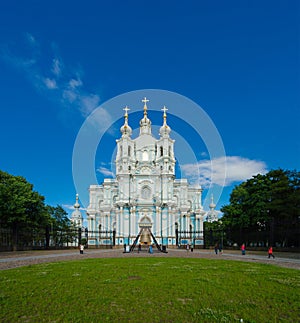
145,196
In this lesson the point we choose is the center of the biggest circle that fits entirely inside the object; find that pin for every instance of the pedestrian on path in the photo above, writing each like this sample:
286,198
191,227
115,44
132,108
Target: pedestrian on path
81,247
216,248
187,247
270,252
151,249
243,248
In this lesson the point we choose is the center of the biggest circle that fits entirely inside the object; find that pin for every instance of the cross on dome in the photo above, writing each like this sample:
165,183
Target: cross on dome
164,129
164,109
125,129
126,109
145,100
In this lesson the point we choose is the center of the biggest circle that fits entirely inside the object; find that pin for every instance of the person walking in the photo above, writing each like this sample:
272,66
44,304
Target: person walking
81,247
187,247
216,248
270,252
243,248
151,249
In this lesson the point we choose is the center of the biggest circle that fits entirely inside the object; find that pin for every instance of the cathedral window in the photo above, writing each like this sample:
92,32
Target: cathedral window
161,151
145,156
129,151
146,193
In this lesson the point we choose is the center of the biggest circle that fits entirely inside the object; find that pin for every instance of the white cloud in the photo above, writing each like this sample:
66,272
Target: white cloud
50,83
75,83
88,103
105,171
68,206
70,92
30,39
71,207
56,67
223,171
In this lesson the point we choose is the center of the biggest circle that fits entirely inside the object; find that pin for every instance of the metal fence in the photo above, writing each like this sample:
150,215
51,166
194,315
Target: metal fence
38,238
279,235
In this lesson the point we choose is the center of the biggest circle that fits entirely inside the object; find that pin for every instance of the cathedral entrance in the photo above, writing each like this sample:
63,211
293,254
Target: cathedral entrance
145,231
145,236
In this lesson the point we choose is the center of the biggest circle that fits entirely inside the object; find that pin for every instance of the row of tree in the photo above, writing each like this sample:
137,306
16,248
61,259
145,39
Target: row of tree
265,203
269,202
22,208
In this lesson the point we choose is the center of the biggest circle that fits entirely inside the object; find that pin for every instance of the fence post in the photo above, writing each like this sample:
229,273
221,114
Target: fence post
47,236
79,237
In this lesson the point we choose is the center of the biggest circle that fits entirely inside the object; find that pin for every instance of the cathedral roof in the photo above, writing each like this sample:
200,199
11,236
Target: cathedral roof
145,126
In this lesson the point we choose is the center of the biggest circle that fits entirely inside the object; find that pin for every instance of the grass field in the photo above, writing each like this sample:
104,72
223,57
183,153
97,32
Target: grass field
150,290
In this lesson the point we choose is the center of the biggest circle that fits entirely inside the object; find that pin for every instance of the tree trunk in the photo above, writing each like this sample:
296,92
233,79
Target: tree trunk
15,237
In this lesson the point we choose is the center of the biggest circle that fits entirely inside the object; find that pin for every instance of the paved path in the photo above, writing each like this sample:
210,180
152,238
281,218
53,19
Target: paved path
10,260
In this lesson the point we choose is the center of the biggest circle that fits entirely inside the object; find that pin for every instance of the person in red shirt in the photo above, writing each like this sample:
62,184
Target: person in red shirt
243,248
270,252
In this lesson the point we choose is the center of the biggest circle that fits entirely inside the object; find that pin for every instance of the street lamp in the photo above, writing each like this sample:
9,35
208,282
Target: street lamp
221,225
129,218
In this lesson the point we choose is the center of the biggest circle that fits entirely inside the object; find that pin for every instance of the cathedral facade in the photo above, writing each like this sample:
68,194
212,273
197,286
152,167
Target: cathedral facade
145,193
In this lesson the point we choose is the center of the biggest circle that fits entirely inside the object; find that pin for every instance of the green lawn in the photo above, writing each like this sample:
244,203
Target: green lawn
150,290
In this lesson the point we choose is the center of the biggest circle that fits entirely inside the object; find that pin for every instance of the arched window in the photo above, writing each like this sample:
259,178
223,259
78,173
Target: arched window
161,151
129,151
145,155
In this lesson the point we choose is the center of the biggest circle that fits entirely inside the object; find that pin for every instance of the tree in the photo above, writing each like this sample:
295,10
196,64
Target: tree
20,205
62,228
269,202
59,217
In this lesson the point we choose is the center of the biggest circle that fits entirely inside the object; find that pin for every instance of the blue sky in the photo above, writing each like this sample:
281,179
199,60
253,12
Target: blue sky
61,60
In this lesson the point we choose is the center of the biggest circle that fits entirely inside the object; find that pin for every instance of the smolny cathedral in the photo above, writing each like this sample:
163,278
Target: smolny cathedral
145,202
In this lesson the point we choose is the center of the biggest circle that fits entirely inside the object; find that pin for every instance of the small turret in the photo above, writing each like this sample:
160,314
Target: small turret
76,216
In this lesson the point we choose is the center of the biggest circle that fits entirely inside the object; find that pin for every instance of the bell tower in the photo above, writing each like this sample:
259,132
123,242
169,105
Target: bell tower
165,160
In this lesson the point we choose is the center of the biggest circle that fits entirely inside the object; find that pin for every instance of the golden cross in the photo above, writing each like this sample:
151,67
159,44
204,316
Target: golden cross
164,109
126,109
145,100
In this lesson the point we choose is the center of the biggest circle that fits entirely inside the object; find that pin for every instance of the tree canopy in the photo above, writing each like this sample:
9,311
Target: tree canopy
264,202
22,207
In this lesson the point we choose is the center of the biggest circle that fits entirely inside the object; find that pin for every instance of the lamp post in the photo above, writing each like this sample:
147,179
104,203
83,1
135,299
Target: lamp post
221,225
129,217
161,203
